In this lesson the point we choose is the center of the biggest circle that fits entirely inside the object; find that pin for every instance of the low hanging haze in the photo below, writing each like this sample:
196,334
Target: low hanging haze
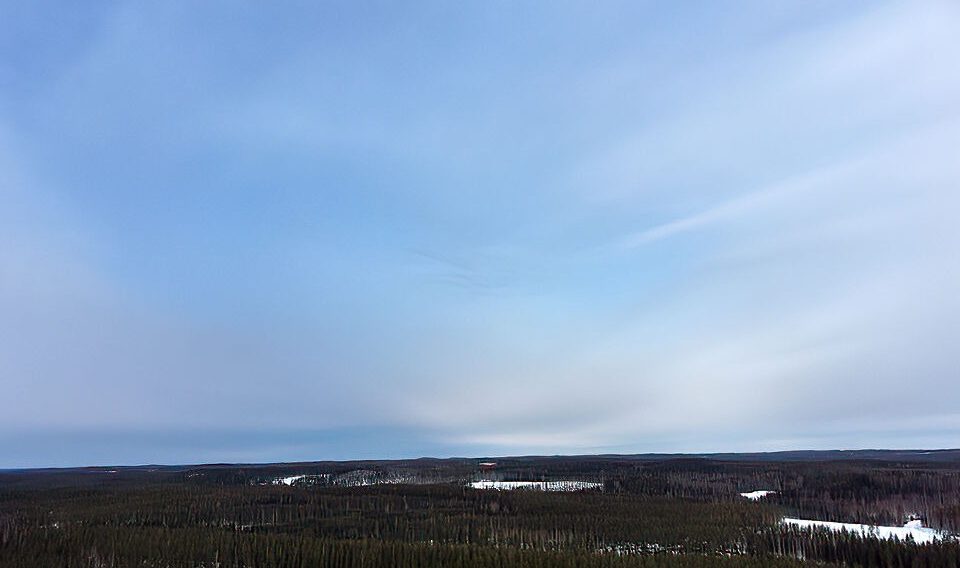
246,231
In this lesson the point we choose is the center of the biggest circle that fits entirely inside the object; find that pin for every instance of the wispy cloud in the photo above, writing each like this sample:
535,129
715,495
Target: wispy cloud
547,229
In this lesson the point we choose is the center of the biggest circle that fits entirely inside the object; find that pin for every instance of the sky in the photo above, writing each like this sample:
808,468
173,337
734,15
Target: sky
249,232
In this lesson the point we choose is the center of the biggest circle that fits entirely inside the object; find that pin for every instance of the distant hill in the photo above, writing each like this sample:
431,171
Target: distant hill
894,456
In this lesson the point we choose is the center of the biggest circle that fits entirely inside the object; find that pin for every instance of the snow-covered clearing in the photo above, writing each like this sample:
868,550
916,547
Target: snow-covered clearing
536,485
354,478
914,529
299,478
288,480
757,495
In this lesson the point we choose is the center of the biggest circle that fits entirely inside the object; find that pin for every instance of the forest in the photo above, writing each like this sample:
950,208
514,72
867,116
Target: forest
636,511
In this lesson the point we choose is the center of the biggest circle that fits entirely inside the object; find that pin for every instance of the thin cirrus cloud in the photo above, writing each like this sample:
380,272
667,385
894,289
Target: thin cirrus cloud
325,233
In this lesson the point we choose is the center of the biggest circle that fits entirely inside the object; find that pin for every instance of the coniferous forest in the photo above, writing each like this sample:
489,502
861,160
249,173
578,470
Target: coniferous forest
635,511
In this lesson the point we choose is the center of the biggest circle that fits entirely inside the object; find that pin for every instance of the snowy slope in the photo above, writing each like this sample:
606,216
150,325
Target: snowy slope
913,529
536,485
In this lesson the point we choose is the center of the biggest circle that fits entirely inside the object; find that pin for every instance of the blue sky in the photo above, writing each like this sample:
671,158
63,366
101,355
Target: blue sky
239,232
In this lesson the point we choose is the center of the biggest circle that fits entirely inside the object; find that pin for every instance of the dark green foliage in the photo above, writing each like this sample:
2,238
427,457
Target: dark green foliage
101,546
651,513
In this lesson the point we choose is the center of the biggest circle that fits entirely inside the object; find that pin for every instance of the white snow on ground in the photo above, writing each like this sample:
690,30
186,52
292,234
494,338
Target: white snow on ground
354,478
756,495
914,529
536,485
301,479
288,480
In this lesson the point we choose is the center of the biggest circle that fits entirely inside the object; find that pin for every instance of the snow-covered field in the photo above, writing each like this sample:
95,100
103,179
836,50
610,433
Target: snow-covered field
288,480
914,529
353,478
358,478
300,479
536,485
756,495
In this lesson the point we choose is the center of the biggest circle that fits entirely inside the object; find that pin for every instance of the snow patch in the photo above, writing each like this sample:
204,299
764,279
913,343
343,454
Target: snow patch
913,529
914,524
300,479
536,485
353,478
288,480
757,495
